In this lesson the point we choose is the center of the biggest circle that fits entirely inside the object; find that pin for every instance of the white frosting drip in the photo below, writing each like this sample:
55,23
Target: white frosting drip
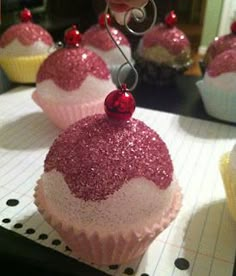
112,57
137,202
15,48
92,89
225,82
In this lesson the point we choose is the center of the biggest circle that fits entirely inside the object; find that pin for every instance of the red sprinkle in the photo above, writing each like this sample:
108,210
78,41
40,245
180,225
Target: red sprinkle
27,33
173,39
69,67
99,38
98,155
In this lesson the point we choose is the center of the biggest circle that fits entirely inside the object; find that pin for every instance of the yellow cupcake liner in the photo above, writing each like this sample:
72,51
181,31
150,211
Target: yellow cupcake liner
229,184
22,69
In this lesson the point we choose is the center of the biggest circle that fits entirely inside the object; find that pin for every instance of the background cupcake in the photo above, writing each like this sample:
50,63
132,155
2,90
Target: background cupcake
228,173
218,87
72,82
163,52
109,216
221,44
97,39
23,48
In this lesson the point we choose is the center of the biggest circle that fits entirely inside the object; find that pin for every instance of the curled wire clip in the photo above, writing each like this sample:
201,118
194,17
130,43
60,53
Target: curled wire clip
139,15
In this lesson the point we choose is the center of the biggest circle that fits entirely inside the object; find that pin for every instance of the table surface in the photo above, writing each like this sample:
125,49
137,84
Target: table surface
181,98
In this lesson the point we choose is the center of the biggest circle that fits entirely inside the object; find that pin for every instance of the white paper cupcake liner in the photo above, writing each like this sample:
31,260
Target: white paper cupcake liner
219,104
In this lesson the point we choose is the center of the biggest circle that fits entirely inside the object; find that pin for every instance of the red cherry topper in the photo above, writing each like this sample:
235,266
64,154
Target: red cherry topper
171,19
25,15
101,20
233,27
72,37
120,104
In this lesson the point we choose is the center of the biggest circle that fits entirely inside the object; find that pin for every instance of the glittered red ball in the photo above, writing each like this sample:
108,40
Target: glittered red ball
120,104
171,19
25,15
72,37
101,20
233,27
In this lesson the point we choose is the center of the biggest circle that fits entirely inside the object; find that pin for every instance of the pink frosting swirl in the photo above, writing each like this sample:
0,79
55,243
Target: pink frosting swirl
173,39
27,33
69,67
98,155
99,38
223,63
221,44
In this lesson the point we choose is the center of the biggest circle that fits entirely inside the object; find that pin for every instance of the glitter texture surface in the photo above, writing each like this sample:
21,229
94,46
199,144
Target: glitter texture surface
221,44
99,38
69,67
223,63
173,39
98,155
26,33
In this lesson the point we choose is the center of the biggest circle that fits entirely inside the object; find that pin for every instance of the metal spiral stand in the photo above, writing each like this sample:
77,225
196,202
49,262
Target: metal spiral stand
142,15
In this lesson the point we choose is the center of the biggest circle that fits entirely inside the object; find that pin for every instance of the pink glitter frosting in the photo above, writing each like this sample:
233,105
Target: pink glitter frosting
99,38
173,39
26,33
221,44
223,63
97,155
69,67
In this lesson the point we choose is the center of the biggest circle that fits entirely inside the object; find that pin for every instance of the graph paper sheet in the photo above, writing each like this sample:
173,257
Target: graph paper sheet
203,235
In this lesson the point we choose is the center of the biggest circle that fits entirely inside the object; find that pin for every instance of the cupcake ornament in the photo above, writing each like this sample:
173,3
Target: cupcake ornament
221,44
228,173
109,216
98,40
218,87
163,52
23,48
72,82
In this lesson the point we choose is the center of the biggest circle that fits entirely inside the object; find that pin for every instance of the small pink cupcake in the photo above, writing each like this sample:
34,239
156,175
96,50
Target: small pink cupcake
221,44
163,52
23,48
218,87
72,82
98,40
108,185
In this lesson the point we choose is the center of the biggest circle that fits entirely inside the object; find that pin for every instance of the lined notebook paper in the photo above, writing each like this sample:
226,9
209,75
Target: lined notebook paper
202,239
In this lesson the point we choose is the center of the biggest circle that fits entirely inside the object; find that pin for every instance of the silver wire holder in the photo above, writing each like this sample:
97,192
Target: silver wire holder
139,19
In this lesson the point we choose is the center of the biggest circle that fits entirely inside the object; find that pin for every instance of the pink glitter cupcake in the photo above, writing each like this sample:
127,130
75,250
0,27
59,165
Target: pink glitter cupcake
23,48
98,40
72,83
108,185
218,87
221,44
163,52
